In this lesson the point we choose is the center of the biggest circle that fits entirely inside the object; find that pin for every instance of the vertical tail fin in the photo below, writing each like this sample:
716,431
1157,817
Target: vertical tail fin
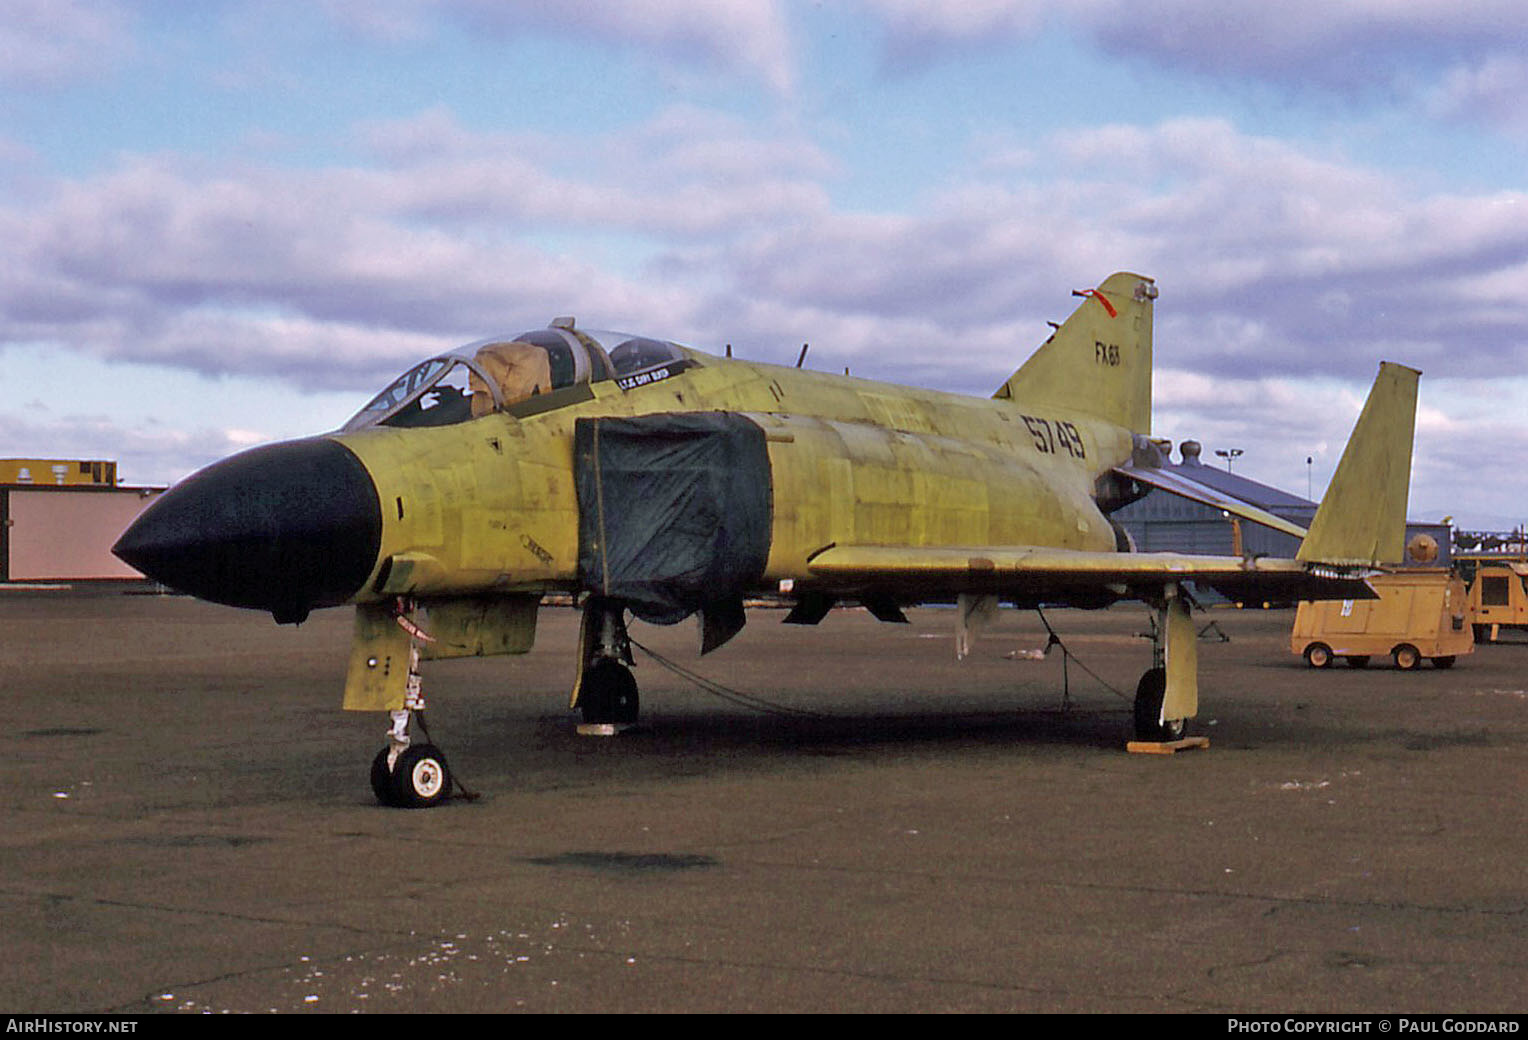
1362,517
1099,361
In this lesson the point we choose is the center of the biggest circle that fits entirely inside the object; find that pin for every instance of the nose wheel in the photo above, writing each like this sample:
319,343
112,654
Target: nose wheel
405,774
418,778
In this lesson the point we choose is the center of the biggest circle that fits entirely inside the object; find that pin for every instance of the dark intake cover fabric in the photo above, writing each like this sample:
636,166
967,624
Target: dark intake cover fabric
674,510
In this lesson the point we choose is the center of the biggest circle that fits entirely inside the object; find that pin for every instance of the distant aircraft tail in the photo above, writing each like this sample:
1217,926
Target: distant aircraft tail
1099,361
1362,518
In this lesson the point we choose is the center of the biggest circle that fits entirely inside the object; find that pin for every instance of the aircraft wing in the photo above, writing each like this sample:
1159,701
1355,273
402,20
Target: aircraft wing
1038,574
1176,482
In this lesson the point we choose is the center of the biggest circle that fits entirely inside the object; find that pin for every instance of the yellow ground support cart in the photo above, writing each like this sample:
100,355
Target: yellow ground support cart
1498,597
1421,613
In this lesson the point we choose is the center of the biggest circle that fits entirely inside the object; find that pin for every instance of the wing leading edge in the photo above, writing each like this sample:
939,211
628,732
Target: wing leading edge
1033,574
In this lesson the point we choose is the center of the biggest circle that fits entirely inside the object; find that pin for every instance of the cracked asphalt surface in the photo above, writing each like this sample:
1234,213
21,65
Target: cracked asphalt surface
188,826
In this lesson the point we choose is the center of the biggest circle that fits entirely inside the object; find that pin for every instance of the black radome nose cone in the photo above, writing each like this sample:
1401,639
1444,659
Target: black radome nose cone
285,527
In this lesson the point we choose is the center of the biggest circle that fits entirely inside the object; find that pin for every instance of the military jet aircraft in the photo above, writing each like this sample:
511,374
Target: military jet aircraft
649,479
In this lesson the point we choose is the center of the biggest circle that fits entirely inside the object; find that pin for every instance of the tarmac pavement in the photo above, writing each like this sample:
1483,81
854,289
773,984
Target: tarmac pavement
856,823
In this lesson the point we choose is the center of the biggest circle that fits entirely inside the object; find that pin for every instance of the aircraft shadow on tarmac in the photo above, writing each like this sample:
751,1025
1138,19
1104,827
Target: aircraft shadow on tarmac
716,742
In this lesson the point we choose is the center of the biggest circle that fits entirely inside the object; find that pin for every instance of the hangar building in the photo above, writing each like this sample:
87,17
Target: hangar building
60,517
1165,522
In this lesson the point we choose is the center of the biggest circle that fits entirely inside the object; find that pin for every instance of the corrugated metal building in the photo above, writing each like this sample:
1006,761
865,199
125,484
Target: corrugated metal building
1165,522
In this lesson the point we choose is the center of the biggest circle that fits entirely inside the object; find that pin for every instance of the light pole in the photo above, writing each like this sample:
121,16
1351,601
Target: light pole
1229,455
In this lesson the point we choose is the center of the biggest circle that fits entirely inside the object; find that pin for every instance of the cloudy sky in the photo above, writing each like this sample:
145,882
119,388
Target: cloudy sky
226,223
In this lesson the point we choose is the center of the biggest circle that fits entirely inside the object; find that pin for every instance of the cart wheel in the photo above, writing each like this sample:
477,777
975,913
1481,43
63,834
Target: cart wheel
1407,657
1318,655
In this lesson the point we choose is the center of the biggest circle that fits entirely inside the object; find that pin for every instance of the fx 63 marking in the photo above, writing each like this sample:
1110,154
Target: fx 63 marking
1053,437
1106,353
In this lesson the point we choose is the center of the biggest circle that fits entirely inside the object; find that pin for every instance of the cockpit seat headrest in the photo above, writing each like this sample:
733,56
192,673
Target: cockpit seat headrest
520,369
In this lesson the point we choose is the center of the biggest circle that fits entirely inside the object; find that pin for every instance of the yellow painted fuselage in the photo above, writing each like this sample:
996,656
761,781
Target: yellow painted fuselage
490,504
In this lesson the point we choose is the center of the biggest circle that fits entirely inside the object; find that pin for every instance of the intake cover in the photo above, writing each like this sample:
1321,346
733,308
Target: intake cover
674,510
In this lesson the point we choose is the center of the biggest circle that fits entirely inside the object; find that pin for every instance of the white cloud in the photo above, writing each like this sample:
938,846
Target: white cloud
1445,59
305,274
46,43
1468,437
725,35
1488,92
1265,253
147,451
916,29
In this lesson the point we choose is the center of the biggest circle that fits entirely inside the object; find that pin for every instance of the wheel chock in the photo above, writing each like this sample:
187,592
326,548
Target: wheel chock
1166,747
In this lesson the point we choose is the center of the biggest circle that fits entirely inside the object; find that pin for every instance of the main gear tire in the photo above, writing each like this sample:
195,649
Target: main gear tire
609,694
1149,694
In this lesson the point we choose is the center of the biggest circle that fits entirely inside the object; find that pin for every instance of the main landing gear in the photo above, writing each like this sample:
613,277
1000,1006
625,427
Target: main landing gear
1167,695
606,692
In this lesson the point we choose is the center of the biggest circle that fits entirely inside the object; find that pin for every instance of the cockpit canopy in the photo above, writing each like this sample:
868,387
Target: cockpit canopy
525,374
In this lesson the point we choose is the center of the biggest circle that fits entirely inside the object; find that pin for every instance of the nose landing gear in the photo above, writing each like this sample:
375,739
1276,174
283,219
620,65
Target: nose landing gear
419,778
404,774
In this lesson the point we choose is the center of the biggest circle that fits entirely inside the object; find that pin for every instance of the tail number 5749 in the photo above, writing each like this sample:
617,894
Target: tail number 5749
1055,436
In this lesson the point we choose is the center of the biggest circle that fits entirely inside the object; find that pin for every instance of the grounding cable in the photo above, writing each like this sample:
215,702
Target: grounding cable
757,703
462,791
1066,657
738,697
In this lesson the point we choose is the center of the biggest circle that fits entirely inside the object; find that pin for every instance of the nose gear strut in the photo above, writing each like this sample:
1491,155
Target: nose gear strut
405,774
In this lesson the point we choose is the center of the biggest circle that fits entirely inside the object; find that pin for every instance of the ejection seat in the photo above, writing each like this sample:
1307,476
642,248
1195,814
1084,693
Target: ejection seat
521,370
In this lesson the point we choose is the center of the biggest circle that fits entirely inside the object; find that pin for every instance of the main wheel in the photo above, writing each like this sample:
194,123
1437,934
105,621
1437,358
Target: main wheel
1149,693
420,777
609,694
1318,655
1406,657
